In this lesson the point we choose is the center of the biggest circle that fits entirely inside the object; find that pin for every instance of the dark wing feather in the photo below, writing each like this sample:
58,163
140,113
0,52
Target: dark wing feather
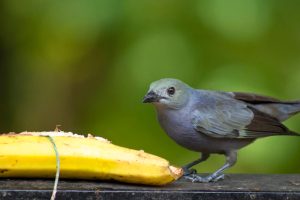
259,99
265,125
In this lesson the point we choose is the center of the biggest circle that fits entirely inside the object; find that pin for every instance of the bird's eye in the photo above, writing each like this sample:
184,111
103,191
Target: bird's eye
171,91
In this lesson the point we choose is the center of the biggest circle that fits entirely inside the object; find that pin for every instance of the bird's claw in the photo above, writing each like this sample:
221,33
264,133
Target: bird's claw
198,179
187,171
218,177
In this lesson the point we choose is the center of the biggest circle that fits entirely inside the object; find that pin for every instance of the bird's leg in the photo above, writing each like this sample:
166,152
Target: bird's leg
231,158
186,168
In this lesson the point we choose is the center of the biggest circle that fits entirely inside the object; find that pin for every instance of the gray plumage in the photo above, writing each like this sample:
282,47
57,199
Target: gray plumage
216,122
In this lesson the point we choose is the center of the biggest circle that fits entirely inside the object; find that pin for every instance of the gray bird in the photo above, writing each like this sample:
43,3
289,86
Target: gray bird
214,122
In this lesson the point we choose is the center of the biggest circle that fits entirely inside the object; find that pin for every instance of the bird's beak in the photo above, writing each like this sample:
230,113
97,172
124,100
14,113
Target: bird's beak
151,97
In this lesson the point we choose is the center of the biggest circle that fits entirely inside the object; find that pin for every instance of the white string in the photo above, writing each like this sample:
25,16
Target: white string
54,191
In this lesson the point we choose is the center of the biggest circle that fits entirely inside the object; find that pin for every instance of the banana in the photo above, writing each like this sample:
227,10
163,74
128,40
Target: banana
31,155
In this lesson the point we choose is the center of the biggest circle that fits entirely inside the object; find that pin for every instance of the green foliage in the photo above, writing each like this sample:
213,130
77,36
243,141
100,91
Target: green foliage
87,64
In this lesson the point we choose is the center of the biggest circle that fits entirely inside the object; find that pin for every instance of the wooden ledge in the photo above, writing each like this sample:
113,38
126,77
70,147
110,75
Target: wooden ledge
235,186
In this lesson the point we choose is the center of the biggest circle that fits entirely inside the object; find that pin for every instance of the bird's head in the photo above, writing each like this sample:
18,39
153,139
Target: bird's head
170,93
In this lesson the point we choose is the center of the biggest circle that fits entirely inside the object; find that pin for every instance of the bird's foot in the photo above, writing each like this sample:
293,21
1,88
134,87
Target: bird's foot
198,179
187,171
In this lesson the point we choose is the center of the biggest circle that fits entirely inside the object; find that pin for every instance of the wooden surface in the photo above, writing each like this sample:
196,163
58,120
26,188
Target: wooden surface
239,187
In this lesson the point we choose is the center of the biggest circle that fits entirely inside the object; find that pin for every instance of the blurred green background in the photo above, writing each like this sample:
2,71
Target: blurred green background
87,64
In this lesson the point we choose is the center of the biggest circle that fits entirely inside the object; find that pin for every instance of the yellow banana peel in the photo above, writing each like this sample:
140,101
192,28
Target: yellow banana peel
31,155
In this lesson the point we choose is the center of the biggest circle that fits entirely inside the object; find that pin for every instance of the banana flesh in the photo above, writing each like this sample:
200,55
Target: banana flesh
31,155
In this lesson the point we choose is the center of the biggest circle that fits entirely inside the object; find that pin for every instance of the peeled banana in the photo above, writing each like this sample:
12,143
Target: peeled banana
31,154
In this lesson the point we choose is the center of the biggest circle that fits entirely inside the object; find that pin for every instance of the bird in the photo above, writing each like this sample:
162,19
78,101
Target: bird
216,122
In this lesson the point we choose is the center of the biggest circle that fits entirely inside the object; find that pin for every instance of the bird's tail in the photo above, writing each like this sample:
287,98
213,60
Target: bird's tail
291,108
280,110
288,109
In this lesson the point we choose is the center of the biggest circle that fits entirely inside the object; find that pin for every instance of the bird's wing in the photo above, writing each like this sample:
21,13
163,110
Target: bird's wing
224,117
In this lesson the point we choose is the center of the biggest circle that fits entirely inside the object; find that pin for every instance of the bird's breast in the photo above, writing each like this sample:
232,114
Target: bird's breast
178,126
